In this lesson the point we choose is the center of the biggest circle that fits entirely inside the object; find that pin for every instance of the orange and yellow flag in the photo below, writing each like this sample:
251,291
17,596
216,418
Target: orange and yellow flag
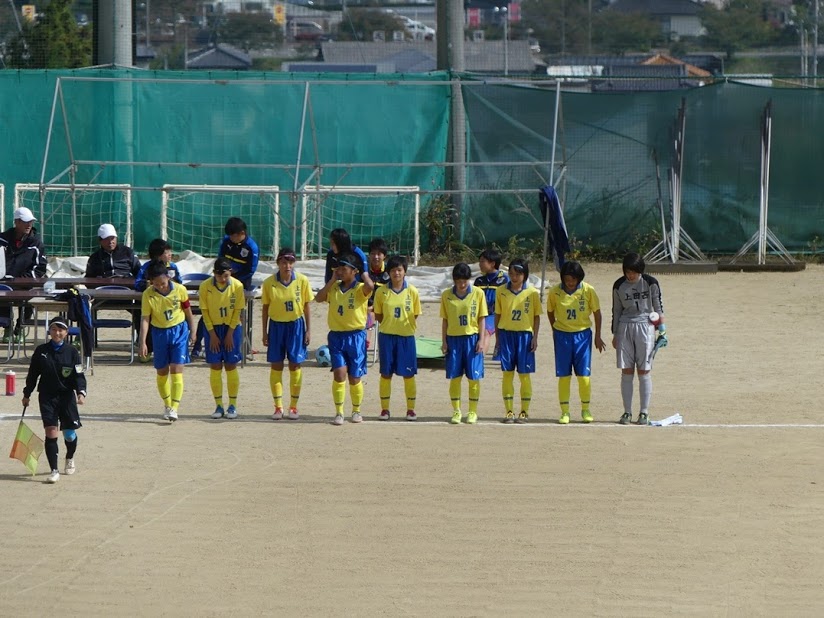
27,447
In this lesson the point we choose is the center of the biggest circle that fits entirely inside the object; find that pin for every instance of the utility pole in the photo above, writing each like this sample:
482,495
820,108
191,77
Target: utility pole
506,40
148,37
815,44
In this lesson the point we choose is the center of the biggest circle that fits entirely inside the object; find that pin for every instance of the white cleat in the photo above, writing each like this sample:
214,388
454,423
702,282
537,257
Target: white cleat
357,418
170,414
70,468
53,477
338,419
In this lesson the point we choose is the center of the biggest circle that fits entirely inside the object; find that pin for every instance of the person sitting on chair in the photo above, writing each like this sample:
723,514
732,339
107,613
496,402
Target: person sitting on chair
25,258
112,259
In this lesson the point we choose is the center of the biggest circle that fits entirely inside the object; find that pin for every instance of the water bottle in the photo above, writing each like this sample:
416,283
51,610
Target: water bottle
10,383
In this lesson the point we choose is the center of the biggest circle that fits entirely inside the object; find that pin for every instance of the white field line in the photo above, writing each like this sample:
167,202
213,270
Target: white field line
314,420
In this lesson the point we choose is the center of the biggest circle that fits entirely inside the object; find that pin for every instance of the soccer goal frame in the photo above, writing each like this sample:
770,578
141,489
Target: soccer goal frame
263,217
64,213
317,200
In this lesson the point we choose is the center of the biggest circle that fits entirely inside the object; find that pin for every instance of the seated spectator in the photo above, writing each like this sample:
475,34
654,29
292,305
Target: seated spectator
25,257
112,259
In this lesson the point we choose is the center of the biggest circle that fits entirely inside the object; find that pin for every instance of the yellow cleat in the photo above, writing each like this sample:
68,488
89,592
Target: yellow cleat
564,420
586,416
472,418
456,418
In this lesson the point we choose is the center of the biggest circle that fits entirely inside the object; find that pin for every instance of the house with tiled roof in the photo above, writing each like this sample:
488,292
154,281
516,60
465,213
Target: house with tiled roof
219,57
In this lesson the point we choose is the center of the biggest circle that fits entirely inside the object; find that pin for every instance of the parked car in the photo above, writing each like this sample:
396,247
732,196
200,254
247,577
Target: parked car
307,31
417,29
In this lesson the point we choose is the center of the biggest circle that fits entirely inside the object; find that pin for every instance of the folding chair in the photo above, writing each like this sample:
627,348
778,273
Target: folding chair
98,323
6,323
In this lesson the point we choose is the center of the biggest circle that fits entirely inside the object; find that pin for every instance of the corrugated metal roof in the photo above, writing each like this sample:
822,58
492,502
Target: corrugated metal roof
221,56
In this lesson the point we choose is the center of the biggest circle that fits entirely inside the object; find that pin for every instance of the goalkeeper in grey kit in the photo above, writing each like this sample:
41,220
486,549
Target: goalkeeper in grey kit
636,296
58,367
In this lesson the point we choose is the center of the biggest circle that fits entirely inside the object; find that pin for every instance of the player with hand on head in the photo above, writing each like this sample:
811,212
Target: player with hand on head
379,275
221,302
62,388
569,307
492,277
348,300
341,243
464,340
636,296
286,328
165,305
397,307
517,321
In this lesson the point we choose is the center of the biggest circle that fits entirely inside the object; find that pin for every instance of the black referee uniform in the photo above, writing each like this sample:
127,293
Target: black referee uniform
61,376
60,373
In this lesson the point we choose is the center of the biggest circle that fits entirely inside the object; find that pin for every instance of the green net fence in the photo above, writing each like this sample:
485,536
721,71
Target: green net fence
151,129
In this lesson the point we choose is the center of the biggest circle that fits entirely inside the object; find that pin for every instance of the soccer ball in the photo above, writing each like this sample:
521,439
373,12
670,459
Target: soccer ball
323,357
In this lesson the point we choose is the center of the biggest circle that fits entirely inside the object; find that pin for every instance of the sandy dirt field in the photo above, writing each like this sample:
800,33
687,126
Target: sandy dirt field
719,517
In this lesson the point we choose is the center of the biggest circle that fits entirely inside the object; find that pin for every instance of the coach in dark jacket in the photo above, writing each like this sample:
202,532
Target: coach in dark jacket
25,254
112,259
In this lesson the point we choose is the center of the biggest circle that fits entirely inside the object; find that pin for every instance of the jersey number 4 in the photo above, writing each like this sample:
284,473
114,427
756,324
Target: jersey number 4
340,309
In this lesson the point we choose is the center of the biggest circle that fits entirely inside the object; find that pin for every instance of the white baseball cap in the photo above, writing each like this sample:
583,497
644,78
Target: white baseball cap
24,214
106,230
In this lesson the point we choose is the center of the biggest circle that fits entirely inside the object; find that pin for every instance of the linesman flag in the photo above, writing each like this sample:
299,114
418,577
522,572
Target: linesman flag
27,447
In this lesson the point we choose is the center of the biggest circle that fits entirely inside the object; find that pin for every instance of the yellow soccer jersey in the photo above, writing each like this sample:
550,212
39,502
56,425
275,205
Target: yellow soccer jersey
399,309
347,308
221,306
165,310
517,310
572,311
286,302
463,315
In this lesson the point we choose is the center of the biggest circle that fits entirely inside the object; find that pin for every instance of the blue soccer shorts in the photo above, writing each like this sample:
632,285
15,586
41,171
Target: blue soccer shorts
398,355
171,345
230,357
287,340
462,359
573,351
348,349
514,351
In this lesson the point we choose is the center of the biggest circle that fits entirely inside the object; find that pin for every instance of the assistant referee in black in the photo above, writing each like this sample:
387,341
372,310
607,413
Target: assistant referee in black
62,387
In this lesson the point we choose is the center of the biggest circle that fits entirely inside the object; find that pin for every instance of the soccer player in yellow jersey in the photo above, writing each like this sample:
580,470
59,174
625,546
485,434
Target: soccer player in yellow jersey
348,300
569,307
397,307
286,298
166,306
221,301
517,320
463,309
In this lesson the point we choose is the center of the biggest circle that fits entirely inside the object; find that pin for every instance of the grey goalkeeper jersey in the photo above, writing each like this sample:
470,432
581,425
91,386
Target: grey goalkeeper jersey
633,302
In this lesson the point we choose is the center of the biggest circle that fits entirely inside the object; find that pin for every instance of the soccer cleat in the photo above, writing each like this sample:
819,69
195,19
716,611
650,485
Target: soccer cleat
586,416
278,414
231,413
411,416
171,414
293,414
338,419
626,418
523,417
456,418
509,417
218,413
643,419
356,417
384,415
472,418
53,477
70,468
564,420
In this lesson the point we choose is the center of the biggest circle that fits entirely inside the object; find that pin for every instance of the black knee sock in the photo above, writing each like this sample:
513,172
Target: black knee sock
71,447
51,452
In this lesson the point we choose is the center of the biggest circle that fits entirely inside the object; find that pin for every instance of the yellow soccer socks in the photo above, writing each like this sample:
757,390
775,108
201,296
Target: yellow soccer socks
339,395
385,391
177,390
455,394
410,388
216,384
508,389
295,383
356,393
164,390
276,386
232,385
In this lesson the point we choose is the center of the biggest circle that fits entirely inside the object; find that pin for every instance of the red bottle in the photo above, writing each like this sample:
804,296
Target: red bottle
10,383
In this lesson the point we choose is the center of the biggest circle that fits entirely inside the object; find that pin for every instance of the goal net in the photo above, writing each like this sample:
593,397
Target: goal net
193,216
68,215
367,212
